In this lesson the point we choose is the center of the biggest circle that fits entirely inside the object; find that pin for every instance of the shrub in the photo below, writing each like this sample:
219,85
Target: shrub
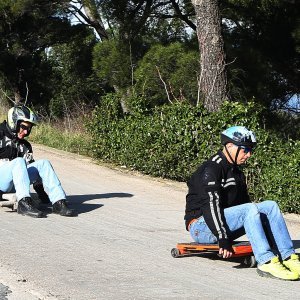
171,140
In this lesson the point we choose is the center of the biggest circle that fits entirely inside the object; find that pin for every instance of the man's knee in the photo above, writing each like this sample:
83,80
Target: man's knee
271,205
252,211
19,161
43,162
253,208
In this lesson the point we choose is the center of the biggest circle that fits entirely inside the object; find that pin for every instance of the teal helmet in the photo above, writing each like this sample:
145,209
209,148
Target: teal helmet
240,136
18,114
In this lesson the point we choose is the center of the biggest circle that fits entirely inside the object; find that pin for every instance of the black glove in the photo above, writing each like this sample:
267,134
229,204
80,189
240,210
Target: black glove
225,244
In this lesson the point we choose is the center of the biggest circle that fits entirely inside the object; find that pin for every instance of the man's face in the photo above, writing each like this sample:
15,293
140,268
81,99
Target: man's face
244,154
25,128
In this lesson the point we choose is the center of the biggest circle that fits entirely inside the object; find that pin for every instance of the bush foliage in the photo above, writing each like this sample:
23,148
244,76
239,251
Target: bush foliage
172,140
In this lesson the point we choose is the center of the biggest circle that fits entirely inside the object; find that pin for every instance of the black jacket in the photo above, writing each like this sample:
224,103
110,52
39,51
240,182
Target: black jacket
12,147
214,186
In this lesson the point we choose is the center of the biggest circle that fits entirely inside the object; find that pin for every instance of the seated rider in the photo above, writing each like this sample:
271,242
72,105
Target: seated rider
18,169
218,209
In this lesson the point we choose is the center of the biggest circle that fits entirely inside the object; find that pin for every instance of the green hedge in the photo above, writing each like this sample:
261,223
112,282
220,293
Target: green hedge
172,140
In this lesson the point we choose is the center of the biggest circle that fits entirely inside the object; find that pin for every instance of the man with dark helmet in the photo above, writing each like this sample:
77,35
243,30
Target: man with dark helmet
218,209
18,169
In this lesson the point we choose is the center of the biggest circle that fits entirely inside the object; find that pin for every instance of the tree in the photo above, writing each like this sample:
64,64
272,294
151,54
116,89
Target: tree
262,38
168,74
27,28
72,79
213,79
89,11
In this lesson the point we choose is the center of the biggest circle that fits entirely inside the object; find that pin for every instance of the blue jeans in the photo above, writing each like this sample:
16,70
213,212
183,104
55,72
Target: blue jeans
263,224
16,175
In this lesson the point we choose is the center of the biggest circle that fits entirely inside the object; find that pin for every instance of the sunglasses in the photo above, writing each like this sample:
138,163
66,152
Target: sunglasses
24,127
247,149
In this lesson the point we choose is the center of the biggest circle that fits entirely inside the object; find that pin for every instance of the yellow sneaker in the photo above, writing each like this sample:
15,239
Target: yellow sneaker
275,269
293,264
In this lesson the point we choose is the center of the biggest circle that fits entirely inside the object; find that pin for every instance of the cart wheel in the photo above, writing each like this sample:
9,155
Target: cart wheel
175,252
250,261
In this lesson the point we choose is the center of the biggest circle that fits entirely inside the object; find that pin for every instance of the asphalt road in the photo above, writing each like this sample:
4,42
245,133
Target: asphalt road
119,245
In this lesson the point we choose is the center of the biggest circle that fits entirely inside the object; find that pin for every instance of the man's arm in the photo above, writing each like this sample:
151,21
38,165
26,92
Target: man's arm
27,152
208,183
7,148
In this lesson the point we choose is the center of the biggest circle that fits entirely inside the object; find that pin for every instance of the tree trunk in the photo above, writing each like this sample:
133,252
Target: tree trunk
94,18
213,79
123,104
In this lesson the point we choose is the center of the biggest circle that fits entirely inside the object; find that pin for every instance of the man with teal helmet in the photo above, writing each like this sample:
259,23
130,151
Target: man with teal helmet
219,210
18,168
241,137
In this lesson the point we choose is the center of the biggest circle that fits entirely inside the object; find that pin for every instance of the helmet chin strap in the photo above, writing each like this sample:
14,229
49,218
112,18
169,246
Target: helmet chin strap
236,155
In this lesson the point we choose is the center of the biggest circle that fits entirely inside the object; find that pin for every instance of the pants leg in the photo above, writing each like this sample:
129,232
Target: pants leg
278,228
248,217
200,232
14,175
44,170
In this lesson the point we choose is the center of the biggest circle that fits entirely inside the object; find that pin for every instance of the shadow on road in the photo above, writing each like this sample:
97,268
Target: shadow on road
78,201
296,244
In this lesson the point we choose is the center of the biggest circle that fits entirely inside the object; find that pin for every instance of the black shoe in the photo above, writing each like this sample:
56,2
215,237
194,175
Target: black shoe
26,207
60,207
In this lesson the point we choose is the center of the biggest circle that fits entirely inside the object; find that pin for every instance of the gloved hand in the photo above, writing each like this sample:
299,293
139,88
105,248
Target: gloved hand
225,250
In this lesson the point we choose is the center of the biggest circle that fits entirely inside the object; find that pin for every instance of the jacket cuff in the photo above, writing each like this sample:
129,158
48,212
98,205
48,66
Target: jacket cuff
225,244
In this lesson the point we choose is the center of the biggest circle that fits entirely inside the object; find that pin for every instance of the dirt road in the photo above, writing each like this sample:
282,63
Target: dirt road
119,245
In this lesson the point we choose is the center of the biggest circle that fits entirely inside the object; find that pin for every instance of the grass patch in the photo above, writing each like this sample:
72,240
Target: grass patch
67,134
57,137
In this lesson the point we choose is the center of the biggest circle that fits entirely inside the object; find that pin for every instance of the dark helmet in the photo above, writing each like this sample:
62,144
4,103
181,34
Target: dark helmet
238,135
18,114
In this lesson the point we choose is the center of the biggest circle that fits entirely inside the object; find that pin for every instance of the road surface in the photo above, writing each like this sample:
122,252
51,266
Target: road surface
119,245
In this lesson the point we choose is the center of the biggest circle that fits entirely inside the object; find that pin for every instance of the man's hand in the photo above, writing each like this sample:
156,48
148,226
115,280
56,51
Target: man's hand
225,248
225,253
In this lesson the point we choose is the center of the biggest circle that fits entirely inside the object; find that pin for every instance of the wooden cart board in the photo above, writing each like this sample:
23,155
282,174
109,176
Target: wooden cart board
241,249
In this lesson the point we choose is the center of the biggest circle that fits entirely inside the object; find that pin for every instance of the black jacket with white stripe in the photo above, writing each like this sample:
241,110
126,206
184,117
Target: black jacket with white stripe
214,186
12,147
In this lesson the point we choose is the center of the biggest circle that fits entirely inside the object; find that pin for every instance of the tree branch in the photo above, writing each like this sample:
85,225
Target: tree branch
181,16
165,85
